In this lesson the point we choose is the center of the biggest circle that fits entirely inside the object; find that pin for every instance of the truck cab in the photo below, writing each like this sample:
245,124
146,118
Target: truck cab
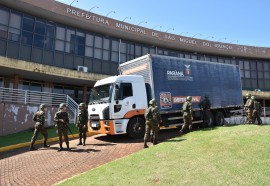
117,106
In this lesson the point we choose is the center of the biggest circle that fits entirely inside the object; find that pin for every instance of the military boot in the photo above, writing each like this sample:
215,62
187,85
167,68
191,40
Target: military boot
45,144
145,145
31,148
80,142
84,142
60,148
68,149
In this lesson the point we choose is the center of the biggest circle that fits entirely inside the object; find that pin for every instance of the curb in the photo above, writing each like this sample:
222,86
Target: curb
11,147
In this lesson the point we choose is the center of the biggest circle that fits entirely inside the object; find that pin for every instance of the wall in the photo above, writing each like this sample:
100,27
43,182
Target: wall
18,117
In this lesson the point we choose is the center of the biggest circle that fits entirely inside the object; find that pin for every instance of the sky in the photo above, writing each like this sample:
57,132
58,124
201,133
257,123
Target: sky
243,22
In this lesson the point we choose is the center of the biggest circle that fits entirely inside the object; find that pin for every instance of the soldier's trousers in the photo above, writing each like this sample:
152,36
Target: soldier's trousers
187,123
206,117
62,131
257,116
250,116
151,125
43,131
82,132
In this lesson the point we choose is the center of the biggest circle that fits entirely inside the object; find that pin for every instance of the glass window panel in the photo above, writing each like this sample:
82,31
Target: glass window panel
267,84
247,74
106,44
80,33
166,53
49,43
145,50
115,45
123,47
221,60
4,14
160,51
254,83
89,40
27,38
214,59
38,40
181,55
58,89
253,65
15,20
123,58
40,28
60,33
187,56
28,24
105,55
266,66
247,83
14,34
98,42
50,30
138,51
36,87
1,82
246,65
98,53
241,64
131,48
3,31
115,56
152,51
24,85
69,34
242,73
89,51
59,45
195,57
261,84
227,61
253,74
233,61
266,75
80,50
259,66
260,75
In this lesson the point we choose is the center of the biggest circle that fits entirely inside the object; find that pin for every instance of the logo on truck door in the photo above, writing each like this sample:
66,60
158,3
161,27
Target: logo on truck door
180,75
165,100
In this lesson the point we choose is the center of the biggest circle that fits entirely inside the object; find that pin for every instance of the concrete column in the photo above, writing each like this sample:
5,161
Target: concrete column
16,81
84,93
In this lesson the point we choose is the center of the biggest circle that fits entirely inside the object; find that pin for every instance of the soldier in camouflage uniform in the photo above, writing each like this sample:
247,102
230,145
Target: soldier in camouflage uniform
187,116
205,106
62,121
257,111
152,121
81,123
39,119
249,106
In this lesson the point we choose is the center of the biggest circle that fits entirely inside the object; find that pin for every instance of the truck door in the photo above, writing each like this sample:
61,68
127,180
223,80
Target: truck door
124,100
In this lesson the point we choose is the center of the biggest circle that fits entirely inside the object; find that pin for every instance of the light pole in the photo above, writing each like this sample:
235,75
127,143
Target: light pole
183,33
221,39
169,29
92,8
73,2
126,18
141,22
156,27
109,13
196,35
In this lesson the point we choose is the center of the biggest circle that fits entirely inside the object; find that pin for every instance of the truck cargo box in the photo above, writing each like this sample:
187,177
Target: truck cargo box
170,80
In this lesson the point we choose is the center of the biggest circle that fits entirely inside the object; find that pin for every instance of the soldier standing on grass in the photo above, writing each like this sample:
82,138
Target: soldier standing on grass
81,123
249,106
39,119
62,121
187,116
256,115
152,121
205,106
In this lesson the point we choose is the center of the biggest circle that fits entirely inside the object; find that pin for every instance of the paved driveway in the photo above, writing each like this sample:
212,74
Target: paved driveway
47,166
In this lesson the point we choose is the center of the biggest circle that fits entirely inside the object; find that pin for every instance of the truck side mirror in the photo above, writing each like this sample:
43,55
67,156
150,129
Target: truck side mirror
117,92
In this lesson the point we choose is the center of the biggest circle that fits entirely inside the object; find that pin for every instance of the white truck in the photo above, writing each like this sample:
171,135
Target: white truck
117,103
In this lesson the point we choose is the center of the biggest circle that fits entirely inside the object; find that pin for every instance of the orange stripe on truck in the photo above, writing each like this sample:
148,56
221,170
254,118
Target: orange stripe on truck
133,113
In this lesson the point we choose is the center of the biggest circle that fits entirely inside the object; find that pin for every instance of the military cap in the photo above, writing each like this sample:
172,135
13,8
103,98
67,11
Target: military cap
62,105
253,97
152,101
42,106
82,105
189,98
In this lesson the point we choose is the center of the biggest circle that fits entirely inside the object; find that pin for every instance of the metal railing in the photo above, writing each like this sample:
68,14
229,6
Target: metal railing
34,97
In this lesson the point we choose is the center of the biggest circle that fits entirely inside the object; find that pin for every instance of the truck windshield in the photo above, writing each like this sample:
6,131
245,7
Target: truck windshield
101,94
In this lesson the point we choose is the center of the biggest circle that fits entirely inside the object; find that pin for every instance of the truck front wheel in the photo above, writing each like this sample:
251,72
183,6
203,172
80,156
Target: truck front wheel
136,128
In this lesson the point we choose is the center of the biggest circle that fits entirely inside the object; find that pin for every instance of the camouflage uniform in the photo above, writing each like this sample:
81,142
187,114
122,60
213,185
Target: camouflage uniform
39,119
62,120
81,123
249,106
152,121
187,115
257,111
205,105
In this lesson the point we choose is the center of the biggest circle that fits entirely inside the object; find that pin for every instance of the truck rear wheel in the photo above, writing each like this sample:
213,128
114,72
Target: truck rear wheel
219,118
211,120
136,128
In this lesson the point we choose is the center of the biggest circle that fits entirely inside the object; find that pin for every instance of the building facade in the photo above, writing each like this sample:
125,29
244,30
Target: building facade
53,47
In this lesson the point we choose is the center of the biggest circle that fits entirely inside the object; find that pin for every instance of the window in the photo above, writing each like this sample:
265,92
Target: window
28,24
60,37
126,90
4,16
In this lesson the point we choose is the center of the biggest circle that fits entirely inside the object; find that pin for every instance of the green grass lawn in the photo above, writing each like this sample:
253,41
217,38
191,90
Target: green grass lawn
25,136
235,155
